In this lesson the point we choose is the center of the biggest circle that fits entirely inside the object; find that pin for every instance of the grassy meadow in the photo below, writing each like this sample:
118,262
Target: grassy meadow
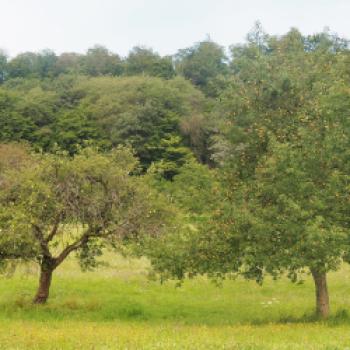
119,307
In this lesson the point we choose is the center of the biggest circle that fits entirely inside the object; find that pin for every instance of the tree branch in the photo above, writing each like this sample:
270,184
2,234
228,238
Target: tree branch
76,245
38,234
54,229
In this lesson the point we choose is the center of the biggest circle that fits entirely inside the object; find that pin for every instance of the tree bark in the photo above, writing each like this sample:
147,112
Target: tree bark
49,263
46,270
322,298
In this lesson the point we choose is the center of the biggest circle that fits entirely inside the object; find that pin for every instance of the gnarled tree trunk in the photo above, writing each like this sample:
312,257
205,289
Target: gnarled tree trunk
46,269
322,298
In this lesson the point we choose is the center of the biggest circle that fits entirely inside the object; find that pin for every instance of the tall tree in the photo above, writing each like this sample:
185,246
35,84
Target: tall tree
299,201
23,65
99,61
68,63
202,64
31,64
286,138
284,156
147,62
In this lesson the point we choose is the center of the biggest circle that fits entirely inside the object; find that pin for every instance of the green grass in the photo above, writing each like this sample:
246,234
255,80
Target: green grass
117,307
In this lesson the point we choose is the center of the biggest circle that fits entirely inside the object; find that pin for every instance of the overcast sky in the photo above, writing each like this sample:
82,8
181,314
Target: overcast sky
164,25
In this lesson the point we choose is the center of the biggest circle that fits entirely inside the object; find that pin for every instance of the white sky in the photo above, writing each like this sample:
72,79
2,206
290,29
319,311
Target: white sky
165,25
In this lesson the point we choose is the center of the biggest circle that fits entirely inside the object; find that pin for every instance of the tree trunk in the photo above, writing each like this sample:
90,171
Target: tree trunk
322,298
46,270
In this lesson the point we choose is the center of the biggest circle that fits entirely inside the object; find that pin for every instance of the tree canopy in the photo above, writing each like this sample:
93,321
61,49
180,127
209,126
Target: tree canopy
57,205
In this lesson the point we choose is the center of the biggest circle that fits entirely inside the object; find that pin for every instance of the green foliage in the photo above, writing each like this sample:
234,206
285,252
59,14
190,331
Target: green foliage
30,64
172,156
275,90
99,61
68,63
57,205
302,188
13,157
72,131
197,191
143,61
202,64
3,64
195,188
139,111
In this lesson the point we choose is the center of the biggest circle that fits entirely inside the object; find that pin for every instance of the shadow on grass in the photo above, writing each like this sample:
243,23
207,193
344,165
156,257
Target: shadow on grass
93,310
341,317
71,309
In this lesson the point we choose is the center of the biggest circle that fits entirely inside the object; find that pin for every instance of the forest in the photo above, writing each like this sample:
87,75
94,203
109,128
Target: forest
214,166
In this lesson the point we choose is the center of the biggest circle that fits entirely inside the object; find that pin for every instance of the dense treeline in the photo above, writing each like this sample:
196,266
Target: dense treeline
145,112
144,99
250,150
